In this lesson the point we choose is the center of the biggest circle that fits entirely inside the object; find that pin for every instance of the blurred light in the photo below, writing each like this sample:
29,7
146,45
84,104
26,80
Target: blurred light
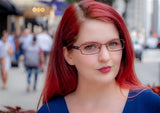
34,9
42,9
39,10
155,35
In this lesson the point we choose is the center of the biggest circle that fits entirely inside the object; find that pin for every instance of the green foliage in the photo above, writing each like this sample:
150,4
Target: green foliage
126,1
109,2
71,1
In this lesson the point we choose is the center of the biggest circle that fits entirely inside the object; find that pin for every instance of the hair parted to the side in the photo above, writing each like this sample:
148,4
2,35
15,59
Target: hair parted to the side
61,77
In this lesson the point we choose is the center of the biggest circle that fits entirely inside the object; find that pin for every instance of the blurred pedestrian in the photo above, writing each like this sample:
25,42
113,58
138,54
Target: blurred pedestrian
2,63
24,40
9,52
33,60
91,66
17,48
11,40
45,41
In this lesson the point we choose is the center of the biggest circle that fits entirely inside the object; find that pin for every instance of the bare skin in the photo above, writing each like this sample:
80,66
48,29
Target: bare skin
10,52
3,73
96,92
97,100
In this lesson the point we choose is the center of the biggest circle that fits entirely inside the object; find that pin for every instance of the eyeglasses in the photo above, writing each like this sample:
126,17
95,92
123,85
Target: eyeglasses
90,48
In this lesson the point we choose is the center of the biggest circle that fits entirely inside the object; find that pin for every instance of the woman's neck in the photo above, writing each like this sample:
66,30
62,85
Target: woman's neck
92,91
88,97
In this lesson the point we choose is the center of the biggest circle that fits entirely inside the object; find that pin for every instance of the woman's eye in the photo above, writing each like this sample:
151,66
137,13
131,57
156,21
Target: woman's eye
114,43
89,47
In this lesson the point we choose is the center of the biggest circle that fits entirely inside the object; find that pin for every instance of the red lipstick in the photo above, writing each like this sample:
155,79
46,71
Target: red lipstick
105,69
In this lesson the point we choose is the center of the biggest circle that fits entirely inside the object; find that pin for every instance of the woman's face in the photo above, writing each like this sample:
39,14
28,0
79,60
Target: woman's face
103,66
5,36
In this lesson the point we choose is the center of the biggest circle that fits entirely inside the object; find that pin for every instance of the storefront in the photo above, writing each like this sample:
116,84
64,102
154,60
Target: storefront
7,8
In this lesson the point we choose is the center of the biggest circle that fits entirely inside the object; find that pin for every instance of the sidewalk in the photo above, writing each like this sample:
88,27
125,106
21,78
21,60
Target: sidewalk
16,94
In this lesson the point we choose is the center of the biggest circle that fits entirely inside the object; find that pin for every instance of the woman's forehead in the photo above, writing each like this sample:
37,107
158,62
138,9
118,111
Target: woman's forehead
96,30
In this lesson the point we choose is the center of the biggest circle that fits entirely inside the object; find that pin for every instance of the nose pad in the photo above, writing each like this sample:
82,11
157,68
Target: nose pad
103,54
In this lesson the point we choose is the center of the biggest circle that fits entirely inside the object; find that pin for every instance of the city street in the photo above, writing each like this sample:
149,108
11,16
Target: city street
16,94
151,55
148,72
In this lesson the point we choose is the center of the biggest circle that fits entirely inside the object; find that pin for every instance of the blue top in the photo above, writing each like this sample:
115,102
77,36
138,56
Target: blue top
138,102
2,50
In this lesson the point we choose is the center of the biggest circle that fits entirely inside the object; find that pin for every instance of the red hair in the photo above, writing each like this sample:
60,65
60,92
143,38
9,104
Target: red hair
61,77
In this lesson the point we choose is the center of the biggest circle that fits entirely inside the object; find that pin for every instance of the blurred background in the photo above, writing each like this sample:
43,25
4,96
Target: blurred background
142,18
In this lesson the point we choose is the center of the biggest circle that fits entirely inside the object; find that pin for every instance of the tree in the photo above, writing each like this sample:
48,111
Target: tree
125,12
109,2
71,1
126,1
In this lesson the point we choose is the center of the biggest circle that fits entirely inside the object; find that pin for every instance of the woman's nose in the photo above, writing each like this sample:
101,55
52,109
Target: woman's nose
104,55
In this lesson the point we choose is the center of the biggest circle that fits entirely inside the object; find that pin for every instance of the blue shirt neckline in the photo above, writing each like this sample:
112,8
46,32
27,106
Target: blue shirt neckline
130,94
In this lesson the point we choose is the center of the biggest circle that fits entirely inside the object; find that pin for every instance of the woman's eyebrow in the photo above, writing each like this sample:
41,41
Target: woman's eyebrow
98,41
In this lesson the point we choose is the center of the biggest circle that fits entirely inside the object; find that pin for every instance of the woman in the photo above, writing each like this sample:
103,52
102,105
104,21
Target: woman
2,61
91,66
9,52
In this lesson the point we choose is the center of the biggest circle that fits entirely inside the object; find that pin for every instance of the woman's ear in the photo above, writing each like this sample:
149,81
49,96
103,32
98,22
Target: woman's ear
68,56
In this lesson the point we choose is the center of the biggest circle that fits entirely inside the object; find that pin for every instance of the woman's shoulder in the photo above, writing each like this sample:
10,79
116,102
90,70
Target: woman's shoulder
145,98
144,94
149,96
57,105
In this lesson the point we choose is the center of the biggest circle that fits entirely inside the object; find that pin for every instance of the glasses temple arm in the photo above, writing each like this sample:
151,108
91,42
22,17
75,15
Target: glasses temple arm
75,47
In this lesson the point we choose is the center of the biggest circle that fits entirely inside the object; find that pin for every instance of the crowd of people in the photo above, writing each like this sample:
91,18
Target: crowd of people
7,57
28,50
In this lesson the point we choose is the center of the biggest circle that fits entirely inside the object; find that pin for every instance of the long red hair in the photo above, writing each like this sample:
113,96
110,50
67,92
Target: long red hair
61,77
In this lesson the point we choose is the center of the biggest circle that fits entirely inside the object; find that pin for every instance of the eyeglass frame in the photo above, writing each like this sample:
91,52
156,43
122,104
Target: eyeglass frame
106,45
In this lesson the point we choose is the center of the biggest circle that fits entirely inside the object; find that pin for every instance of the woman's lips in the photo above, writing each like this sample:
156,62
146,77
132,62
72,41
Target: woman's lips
105,69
